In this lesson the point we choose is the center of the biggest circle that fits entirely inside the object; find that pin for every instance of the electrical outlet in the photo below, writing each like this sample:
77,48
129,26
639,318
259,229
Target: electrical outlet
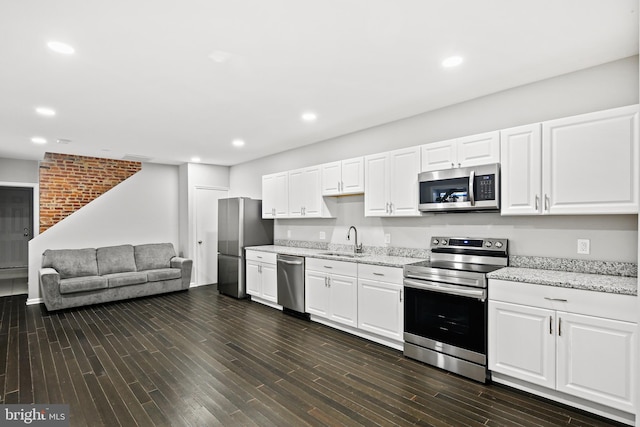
387,238
322,235
288,234
584,246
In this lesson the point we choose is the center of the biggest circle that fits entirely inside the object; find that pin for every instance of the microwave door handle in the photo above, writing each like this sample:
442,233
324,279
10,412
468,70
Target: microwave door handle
472,196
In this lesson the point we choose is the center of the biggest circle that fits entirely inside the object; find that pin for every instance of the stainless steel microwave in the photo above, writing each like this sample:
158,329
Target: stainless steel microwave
474,188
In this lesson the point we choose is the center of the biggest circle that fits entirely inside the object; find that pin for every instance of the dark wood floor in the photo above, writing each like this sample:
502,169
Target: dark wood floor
197,358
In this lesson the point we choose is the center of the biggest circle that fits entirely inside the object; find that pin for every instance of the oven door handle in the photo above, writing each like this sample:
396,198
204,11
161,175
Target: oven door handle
479,294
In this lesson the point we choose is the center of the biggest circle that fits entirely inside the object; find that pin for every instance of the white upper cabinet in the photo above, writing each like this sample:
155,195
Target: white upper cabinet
471,150
343,177
391,183
586,164
521,169
590,163
275,195
305,197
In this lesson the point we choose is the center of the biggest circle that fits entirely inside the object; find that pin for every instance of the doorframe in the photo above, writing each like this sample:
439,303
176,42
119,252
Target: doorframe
36,202
194,219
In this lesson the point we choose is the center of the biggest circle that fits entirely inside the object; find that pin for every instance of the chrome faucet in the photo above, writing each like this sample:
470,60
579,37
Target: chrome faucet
357,248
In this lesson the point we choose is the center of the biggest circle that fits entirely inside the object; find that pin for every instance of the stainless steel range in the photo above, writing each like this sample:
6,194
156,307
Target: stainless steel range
445,305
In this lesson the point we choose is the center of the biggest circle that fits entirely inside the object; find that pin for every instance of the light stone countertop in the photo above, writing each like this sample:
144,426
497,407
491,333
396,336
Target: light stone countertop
585,281
367,258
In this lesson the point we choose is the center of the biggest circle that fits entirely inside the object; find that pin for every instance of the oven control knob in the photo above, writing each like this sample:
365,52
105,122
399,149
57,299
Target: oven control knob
487,244
498,245
435,241
443,242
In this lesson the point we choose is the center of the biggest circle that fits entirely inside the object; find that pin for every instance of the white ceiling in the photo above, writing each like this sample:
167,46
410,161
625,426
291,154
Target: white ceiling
170,80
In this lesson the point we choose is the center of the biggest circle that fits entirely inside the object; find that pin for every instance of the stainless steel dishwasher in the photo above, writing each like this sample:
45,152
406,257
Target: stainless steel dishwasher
291,283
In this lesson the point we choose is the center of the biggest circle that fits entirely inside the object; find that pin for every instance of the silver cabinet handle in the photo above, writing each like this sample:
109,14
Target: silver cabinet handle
546,202
391,207
386,207
472,180
537,201
452,164
550,325
325,281
341,186
559,326
459,164
327,266
555,299
328,281
400,295
378,274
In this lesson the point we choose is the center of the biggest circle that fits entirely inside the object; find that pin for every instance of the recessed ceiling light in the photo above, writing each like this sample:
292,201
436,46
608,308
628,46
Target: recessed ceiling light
452,61
44,111
38,140
63,141
61,47
238,143
196,159
309,116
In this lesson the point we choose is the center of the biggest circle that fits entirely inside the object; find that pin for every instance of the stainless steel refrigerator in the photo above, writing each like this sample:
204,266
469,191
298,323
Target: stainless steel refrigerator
240,224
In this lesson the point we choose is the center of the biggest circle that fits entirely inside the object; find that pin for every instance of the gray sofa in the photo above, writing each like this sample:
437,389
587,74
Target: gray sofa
76,277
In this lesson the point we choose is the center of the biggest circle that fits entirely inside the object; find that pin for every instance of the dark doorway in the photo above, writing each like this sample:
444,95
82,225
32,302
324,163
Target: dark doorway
16,222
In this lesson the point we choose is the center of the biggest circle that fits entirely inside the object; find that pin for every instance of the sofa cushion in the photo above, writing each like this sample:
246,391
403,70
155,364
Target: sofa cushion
115,259
153,256
163,274
116,280
82,284
71,262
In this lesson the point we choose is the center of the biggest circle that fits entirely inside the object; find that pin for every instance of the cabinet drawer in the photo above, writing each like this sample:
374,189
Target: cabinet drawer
332,267
259,256
380,273
579,301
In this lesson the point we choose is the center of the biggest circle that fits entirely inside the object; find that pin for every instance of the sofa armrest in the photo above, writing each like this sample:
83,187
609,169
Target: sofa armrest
185,265
49,283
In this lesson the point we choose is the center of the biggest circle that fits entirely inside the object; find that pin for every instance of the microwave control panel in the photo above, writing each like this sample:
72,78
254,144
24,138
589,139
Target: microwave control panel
485,187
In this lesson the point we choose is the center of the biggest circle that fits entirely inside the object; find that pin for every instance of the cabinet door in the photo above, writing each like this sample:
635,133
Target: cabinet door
352,176
597,360
521,169
269,282
376,200
481,149
296,192
404,167
331,178
439,155
268,196
253,278
343,300
590,163
316,293
522,342
380,308
311,194
282,194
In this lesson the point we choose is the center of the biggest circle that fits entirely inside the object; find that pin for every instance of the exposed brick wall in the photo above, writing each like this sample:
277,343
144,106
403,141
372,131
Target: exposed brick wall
69,182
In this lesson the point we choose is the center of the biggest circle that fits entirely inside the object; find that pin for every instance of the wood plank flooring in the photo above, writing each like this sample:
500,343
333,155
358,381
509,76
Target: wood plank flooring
196,358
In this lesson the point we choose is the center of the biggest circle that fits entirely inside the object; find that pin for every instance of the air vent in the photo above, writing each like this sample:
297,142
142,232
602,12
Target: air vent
135,158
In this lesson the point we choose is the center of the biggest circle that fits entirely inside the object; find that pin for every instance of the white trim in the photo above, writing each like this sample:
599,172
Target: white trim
33,301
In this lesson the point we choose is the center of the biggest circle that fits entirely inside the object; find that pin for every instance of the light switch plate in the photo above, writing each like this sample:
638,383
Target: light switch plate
584,246
322,235
288,234
387,238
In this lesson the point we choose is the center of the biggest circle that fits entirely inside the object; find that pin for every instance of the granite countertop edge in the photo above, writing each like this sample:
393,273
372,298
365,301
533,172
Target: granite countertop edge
584,281
373,259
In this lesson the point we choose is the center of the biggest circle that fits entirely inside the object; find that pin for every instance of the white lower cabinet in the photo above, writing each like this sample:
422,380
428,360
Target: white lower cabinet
331,290
576,343
261,276
380,306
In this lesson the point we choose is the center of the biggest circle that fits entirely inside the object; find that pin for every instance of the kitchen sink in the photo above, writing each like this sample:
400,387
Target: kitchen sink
343,254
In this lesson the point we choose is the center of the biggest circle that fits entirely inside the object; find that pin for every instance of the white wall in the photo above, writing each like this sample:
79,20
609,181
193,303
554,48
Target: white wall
613,237
25,171
142,209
